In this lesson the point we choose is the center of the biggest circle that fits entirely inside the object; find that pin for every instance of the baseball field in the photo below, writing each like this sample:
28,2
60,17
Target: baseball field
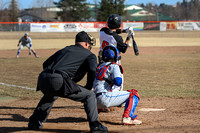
166,75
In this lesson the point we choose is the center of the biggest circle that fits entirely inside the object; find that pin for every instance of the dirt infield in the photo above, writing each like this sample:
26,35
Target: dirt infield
181,115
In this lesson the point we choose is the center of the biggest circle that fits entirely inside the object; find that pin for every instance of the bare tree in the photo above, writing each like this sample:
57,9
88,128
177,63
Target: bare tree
40,8
4,12
4,15
185,10
42,3
14,11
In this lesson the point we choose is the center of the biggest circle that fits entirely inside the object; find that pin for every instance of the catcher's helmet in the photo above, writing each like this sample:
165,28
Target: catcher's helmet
114,21
109,53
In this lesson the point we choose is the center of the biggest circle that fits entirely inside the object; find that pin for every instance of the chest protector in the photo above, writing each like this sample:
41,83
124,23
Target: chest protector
100,74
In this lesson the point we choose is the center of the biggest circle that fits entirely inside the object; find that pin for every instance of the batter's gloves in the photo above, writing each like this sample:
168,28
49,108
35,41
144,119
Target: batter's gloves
130,31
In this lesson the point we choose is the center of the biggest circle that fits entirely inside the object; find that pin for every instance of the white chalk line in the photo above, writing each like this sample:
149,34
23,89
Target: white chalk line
11,85
150,109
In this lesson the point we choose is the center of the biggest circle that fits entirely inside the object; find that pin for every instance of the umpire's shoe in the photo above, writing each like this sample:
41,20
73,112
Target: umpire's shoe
97,127
34,125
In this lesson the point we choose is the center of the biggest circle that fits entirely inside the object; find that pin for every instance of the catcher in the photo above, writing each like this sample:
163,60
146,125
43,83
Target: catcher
108,77
26,41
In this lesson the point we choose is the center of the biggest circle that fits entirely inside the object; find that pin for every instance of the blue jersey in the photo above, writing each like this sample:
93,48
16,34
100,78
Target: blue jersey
113,72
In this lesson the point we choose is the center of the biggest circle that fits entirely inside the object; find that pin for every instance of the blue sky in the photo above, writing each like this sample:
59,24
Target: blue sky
23,4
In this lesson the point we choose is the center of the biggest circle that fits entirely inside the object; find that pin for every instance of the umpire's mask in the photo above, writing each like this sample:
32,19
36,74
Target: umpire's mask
92,41
84,37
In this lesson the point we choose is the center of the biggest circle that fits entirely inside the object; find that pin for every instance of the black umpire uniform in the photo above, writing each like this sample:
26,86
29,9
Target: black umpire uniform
60,73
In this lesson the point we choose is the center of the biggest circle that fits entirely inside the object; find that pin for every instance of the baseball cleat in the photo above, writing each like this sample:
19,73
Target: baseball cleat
129,121
97,127
35,125
17,56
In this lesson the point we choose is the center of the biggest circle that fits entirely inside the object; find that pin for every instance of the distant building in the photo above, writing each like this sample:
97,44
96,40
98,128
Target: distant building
137,13
49,14
133,13
44,14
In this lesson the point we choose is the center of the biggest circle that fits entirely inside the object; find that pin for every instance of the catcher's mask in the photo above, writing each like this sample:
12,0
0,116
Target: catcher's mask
110,53
85,37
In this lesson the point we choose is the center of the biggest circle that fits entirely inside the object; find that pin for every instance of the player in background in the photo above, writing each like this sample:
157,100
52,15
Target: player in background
109,74
109,36
26,41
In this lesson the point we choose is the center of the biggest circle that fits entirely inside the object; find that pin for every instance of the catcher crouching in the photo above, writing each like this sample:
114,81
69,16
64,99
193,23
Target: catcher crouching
108,80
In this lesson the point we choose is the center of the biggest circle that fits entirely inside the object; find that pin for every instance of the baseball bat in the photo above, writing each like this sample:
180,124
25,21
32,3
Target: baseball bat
135,48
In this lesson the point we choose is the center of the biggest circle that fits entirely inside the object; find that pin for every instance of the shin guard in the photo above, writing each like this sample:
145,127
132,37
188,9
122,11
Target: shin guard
131,104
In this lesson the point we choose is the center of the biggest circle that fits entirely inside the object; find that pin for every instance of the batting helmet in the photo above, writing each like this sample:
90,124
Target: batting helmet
109,53
114,21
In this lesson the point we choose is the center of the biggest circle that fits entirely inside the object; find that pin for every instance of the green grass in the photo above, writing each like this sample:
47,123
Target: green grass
153,75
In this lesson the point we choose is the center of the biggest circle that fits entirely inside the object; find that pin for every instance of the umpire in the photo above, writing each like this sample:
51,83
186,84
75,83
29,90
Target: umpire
60,73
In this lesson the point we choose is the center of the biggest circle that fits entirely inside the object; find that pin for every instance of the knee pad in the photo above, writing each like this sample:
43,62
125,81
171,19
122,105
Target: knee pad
134,92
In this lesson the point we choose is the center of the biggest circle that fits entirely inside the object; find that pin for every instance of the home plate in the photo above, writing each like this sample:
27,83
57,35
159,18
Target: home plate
150,109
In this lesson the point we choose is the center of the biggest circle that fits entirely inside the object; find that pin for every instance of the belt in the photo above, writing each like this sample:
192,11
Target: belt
53,71
98,94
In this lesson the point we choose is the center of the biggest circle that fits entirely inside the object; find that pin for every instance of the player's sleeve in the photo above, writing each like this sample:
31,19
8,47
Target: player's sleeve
116,76
20,39
92,66
118,31
121,46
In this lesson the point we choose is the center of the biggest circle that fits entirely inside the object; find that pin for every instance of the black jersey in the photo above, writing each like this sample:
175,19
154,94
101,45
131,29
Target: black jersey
76,61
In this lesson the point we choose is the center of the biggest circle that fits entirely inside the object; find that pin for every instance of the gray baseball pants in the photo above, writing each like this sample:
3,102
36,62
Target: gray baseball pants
87,97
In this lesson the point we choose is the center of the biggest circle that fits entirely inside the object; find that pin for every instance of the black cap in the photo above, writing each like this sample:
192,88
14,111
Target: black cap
83,37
